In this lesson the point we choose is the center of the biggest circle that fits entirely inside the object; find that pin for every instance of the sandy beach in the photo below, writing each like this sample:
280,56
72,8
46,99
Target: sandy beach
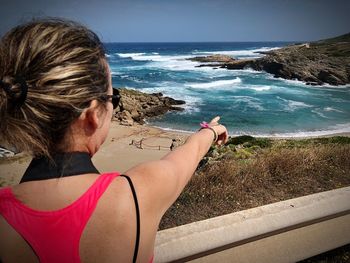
121,150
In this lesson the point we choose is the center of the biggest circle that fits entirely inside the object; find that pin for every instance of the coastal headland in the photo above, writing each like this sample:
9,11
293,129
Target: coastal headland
316,63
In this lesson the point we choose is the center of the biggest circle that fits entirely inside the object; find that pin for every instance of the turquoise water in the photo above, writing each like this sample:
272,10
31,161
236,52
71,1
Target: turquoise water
248,101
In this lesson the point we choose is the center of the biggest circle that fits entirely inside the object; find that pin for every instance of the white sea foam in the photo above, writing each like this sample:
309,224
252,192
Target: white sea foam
260,88
213,72
131,88
319,113
214,84
217,73
192,102
170,129
176,62
238,53
155,57
293,82
332,109
332,130
243,98
330,87
338,100
301,83
172,62
247,102
248,70
130,55
297,104
292,105
144,57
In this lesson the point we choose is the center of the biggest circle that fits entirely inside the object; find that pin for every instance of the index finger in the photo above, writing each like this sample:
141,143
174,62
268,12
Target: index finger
215,120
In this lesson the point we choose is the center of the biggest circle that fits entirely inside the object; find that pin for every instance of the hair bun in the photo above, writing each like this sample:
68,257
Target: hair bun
16,89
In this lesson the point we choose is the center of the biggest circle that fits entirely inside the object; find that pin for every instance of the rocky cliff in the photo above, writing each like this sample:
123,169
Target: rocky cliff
316,63
135,106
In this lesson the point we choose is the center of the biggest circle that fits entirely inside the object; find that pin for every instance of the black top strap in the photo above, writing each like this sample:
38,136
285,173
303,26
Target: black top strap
137,218
61,165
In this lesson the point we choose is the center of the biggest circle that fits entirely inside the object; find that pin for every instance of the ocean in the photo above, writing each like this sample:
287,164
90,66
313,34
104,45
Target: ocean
249,102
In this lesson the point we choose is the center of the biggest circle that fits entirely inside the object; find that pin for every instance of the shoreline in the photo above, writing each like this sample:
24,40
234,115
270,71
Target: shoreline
118,153
299,135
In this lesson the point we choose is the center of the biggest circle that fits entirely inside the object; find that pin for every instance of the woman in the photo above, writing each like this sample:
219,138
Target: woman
56,102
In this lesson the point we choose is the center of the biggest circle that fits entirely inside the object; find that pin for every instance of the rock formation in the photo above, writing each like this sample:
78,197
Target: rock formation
213,58
135,106
316,63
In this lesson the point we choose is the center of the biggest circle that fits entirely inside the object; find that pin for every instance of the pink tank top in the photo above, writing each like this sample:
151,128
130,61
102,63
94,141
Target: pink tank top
54,235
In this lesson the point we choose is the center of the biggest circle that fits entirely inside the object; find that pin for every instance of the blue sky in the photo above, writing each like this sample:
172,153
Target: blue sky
192,20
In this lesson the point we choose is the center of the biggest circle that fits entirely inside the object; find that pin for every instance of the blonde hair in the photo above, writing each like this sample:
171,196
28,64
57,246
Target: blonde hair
63,66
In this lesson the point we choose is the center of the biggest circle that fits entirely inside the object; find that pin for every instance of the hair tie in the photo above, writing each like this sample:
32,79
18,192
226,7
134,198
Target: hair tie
24,90
18,101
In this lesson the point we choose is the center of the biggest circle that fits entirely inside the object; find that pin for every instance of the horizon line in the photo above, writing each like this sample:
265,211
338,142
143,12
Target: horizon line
156,42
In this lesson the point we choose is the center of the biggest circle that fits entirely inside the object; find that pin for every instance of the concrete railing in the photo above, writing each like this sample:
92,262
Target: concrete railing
286,231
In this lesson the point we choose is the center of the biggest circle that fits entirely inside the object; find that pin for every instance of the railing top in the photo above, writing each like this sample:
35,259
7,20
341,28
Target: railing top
236,228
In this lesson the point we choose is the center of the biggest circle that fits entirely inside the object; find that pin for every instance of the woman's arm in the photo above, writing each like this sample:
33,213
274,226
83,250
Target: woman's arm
162,181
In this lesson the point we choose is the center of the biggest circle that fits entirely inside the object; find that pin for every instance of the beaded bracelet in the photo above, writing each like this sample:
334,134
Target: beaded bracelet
205,125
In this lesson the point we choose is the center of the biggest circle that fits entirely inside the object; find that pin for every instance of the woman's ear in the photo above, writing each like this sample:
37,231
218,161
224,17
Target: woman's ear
90,118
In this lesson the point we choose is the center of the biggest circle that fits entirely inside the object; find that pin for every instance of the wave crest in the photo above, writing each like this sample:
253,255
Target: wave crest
130,55
213,84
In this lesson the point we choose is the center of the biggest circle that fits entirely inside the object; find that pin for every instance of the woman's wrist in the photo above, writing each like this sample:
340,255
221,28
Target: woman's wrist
205,125
218,130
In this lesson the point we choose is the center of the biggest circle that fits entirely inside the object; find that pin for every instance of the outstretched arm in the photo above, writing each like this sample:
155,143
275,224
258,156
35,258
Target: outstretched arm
162,181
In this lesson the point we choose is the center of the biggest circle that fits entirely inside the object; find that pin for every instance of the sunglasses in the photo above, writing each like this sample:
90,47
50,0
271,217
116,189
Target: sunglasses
115,98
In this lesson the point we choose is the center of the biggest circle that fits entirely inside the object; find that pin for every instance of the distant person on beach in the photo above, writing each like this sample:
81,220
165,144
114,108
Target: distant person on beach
56,103
172,146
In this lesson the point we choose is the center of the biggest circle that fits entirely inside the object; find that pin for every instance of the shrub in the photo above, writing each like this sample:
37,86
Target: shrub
250,177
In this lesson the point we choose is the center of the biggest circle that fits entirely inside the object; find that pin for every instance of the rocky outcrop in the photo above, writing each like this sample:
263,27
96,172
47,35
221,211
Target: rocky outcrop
316,63
238,64
135,106
213,58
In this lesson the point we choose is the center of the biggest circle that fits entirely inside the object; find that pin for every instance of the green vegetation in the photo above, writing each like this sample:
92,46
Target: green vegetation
336,47
342,38
249,172
249,141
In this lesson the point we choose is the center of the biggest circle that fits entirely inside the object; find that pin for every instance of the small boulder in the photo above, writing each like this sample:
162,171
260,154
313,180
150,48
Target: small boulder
135,114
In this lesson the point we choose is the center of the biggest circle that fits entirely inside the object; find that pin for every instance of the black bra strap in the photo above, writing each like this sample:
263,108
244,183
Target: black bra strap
137,218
